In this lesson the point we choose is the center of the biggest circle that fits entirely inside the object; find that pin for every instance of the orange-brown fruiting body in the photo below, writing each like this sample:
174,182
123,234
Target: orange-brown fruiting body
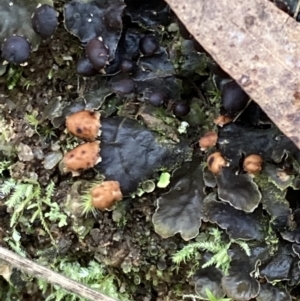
82,157
208,140
106,194
253,164
84,125
216,162
222,120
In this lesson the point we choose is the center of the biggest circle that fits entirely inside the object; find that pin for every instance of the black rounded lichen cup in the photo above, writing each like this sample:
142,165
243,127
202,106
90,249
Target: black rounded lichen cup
157,98
233,98
149,45
16,50
85,68
44,21
181,109
127,66
97,53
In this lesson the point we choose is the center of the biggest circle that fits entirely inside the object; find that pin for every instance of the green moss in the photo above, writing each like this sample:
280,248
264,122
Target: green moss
28,196
93,275
214,244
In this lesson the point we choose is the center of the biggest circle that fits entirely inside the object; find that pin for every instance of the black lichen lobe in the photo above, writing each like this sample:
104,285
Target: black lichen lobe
123,86
113,16
16,50
44,21
131,153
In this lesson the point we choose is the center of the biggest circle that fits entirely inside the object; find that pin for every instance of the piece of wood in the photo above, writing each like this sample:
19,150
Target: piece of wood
39,271
258,45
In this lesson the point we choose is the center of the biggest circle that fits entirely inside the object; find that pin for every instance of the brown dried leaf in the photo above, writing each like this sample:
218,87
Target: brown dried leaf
258,45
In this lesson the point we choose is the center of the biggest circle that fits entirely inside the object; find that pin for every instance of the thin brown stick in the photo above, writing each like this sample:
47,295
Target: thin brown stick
37,270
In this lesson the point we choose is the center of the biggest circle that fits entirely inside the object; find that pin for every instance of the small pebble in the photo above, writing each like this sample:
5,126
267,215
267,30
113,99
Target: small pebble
38,153
33,176
52,159
55,146
24,152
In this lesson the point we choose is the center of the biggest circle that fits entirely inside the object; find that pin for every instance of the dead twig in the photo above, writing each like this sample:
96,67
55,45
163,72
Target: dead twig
37,271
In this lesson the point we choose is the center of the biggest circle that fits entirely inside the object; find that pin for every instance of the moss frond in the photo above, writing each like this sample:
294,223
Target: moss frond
93,275
28,196
244,246
86,204
186,253
86,198
215,245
